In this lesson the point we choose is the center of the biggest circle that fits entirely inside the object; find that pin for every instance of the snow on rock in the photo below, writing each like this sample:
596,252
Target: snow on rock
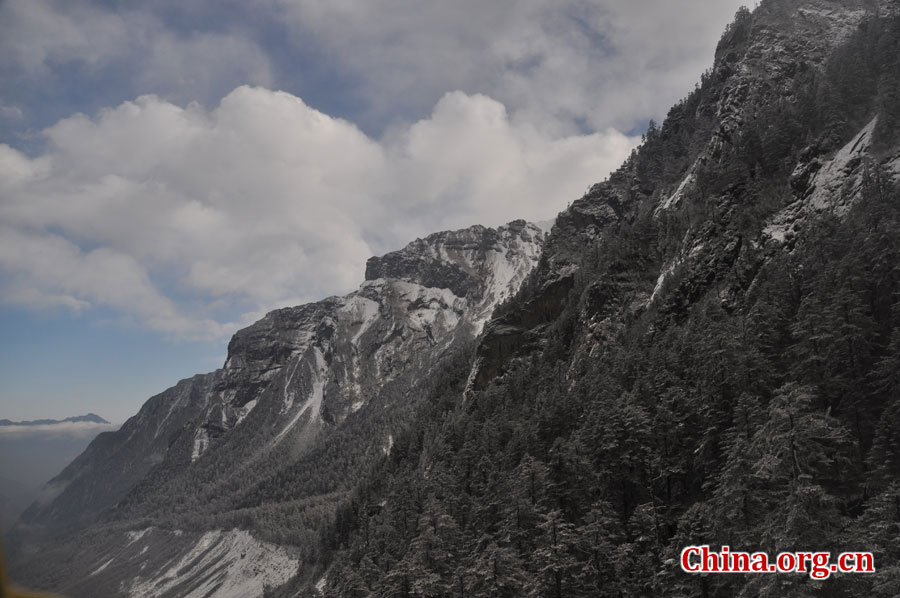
426,307
299,369
508,269
201,443
245,411
830,185
102,567
136,536
179,402
288,397
673,200
834,187
363,312
667,271
222,564
314,402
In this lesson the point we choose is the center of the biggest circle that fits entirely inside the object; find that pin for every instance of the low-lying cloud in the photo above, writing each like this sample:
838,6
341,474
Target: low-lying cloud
193,221
57,430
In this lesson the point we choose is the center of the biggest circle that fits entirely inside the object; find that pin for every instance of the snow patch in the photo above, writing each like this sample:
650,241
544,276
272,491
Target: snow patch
663,275
436,306
245,411
175,404
314,401
678,195
135,536
288,399
507,270
102,567
675,198
830,181
201,443
363,311
834,187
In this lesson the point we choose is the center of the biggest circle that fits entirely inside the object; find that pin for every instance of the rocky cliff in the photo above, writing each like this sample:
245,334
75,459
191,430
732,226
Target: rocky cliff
297,382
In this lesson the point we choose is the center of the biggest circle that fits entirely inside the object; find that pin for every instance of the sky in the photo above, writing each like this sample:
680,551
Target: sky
170,171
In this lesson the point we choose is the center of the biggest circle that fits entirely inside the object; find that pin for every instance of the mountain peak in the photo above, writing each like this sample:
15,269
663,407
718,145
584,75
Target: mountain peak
450,259
292,379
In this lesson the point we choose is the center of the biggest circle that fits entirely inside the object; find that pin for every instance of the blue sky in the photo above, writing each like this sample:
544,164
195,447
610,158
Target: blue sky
170,171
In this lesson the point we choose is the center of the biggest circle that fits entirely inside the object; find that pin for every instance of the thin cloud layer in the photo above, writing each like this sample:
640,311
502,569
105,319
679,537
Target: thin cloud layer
193,221
61,429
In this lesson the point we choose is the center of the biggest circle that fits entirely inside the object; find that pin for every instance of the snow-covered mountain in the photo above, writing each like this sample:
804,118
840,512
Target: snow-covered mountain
601,330
212,452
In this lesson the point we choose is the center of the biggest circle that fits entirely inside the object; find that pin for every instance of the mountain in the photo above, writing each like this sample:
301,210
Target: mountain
707,353
89,418
308,397
704,350
32,452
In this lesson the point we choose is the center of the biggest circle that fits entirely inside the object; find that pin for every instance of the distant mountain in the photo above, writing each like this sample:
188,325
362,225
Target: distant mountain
32,452
92,418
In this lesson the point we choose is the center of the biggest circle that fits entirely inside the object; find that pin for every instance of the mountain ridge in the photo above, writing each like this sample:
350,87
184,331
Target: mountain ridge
335,375
88,418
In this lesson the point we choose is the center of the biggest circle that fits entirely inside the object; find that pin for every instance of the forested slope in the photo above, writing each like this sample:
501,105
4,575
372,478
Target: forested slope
708,353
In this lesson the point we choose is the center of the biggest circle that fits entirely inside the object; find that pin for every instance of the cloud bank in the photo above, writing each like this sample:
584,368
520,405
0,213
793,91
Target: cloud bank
58,430
193,221
189,197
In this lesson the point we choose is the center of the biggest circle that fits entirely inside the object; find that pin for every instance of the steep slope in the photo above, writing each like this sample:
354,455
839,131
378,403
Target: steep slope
706,354
316,387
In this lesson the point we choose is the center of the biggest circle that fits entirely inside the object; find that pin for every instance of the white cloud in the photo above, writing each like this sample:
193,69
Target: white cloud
555,63
37,33
183,217
563,65
71,429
